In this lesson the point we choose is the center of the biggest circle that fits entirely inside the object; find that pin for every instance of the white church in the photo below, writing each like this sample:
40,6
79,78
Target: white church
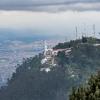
49,55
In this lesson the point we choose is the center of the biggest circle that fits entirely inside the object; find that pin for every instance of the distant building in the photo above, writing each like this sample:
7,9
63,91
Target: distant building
49,55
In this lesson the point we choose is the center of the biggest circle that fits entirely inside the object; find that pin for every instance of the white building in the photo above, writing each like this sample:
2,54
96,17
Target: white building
49,54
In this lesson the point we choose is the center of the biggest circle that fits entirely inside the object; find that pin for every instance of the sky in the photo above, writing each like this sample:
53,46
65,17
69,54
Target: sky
52,17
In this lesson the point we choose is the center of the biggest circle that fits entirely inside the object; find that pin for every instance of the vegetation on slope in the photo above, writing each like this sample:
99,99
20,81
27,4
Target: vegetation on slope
29,83
91,91
33,84
88,40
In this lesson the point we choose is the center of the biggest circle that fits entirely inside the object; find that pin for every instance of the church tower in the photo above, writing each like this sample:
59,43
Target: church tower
45,47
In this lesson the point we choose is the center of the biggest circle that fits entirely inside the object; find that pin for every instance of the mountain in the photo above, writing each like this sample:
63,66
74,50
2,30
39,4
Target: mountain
31,83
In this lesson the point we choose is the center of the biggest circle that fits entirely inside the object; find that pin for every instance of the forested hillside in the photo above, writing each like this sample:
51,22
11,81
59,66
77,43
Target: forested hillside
89,91
29,83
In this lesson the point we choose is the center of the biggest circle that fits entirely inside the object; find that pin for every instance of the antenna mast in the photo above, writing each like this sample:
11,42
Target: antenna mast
76,32
85,30
94,30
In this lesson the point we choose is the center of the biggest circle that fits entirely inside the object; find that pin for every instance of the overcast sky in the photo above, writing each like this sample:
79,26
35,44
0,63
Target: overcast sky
49,5
50,16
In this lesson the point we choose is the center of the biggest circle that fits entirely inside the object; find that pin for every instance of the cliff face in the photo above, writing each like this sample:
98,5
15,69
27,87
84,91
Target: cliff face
31,83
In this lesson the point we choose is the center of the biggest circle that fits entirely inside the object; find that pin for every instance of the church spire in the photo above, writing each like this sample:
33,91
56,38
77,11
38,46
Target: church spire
45,45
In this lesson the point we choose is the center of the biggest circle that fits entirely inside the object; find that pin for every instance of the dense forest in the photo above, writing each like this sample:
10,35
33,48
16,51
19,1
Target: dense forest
91,90
30,83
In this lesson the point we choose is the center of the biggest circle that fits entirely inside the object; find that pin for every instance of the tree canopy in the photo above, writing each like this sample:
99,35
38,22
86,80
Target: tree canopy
90,91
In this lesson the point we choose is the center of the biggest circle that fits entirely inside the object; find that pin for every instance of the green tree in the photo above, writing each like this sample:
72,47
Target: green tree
89,92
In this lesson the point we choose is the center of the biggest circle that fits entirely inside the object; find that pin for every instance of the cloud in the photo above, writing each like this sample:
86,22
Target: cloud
49,5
